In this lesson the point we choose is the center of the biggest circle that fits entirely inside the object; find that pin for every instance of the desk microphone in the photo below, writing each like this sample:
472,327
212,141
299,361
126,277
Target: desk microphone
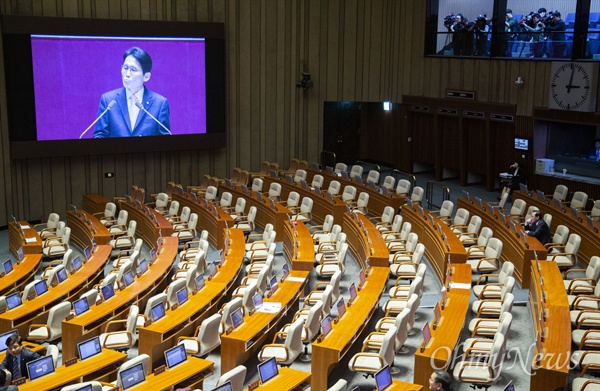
141,107
110,105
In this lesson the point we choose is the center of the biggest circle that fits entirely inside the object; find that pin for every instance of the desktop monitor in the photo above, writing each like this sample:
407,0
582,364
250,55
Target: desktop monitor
143,267
258,301
13,300
89,348
132,376
8,266
540,194
108,291
94,244
330,197
259,196
409,202
426,335
41,287
341,308
325,326
352,291
227,183
62,275
361,277
303,184
20,254
157,311
153,254
465,194
437,314
77,264
557,203
200,281
268,370
273,284
383,378
40,367
318,191
523,187
175,356
80,306
344,174
574,212
212,267
128,278
221,257
272,204
224,387
4,337
88,253
478,202
286,271
329,170
182,295
237,318
510,386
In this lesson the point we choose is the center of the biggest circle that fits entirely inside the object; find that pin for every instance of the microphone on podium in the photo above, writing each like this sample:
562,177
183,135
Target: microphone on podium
110,105
141,107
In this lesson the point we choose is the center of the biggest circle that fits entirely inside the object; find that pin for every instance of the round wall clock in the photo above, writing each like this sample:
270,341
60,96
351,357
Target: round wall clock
573,86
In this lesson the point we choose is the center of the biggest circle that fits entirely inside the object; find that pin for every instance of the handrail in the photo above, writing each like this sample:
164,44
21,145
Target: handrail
430,194
375,166
328,158
412,179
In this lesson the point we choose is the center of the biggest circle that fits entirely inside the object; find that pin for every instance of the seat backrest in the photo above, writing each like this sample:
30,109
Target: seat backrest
593,269
263,278
173,209
56,315
52,350
190,278
211,193
123,215
142,358
240,205
317,181
236,376
507,304
300,176
349,193
185,214
595,212
518,207
417,194
373,177
134,311
573,243
158,298
405,231
52,275
208,334
293,340
327,223
172,290
418,254
548,219
505,321
226,199
326,299
192,222
257,185
561,234
162,200
29,288
447,208
484,236
412,304
388,214
402,334
493,248
412,241
66,238
251,214
293,199
397,223
228,309
363,200
507,287
111,209
334,187
386,351
356,171
339,167
313,320
130,229
200,260
54,218
340,385
579,200
508,268
274,190
307,204
247,299
335,284
474,224
403,187
462,216
389,182
67,260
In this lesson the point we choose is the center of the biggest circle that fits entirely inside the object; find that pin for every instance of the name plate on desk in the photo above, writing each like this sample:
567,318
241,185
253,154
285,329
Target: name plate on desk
148,322
69,317
70,362
19,381
159,370
253,386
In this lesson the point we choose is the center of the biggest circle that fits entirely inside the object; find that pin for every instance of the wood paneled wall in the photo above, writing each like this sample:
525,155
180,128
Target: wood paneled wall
355,50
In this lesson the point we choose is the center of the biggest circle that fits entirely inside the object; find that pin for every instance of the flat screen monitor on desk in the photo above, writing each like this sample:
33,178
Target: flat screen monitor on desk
341,308
7,266
62,275
143,268
157,311
224,387
268,370
182,296
237,318
426,334
175,356
352,291
87,252
41,287
325,326
478,202
108,291
318,191
361,278
77,264
13,300
258,301
153,254
4,337
128,278
200,281
557,203
273,284
89,348
383,378
509,387
81,306
466,195
523,187
20,254
540,195
40,367
132,376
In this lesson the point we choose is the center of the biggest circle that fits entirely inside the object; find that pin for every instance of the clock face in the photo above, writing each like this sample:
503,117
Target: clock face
571,87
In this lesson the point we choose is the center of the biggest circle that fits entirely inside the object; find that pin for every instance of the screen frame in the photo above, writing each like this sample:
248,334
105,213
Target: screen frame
269,363
31,363
5,336
97,338
176,347
215,65
383,371
138,367
162,311
18,296
87,306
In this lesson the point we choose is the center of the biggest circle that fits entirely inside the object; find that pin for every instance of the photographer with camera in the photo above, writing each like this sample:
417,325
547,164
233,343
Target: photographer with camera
460,41
556,29
532,24
510,27
482,30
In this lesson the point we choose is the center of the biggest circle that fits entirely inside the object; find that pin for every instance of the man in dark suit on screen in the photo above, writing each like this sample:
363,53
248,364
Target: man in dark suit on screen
17,358
129,110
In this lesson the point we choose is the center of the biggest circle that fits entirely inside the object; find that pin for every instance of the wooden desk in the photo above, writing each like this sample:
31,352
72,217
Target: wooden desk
553,369
365,241
329,352
377,201
447,334
264,213
188,374
206,219
321,205
22,273
435,247
35,311
398,385
92,322
288,379
513,248
146,229
248,338
94,203
82,233
103,364
298,246
590,240
159,336
31,243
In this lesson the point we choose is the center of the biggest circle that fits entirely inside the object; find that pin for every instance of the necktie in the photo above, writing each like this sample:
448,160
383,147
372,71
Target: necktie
133,111
16,368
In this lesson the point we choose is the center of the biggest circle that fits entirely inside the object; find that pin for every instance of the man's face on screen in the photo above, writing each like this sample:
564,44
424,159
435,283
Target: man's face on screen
132,74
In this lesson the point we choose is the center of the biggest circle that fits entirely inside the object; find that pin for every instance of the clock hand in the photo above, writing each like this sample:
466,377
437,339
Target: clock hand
569,86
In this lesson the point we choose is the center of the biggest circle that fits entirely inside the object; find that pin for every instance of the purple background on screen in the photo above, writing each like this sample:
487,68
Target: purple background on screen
70,75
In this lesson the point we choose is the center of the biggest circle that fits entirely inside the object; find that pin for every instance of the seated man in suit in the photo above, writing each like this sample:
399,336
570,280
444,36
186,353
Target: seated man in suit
536,227
17,358
133,110
4,387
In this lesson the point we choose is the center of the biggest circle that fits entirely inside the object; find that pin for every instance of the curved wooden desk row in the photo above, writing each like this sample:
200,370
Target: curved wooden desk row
91,323
445,337
36,310
158,337
590,240
146,229
298,246
206,218
330,351
31,243
22,274
82,231
552,371
248,338
513,248
436,248
365,241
